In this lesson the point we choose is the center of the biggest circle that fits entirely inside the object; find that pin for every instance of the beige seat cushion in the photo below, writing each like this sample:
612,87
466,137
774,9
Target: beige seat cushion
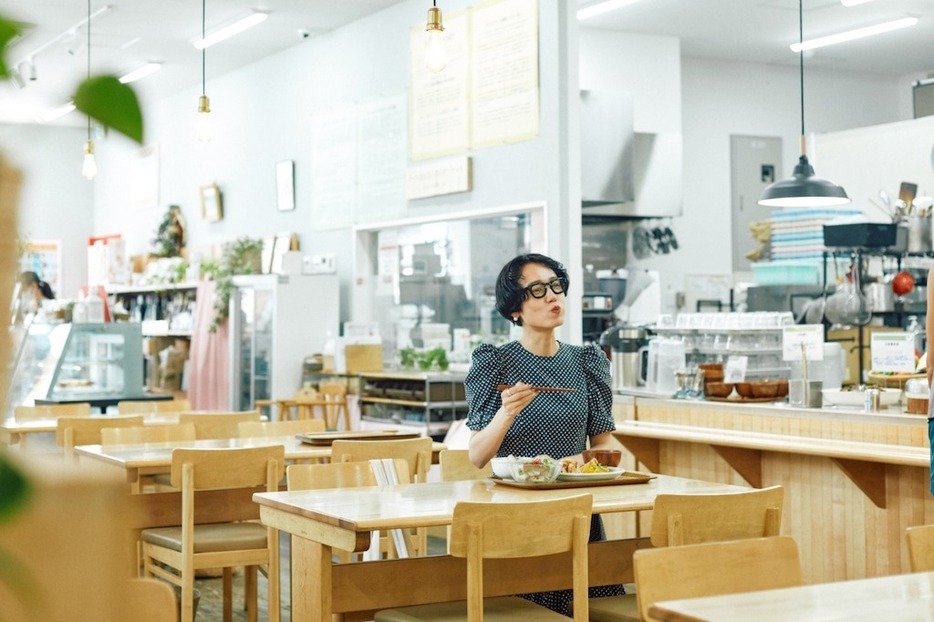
614,609
211,538
507,608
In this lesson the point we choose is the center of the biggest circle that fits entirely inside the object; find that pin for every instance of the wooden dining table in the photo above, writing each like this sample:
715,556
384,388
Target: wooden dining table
14,431
893,597
142,459
324,520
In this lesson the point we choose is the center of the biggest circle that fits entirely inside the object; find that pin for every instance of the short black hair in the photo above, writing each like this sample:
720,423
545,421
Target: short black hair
509,294
29,278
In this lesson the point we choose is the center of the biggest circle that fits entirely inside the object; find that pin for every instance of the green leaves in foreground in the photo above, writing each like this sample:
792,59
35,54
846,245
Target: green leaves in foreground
8,32
112,104
14,489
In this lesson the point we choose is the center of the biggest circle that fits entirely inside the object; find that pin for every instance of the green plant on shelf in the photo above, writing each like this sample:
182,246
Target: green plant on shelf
425,360
242,256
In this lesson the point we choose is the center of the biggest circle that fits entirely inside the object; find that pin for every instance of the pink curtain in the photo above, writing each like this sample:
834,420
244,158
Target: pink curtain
208,381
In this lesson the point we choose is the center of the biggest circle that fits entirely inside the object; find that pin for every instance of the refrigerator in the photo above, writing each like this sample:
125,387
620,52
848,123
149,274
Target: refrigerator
276,320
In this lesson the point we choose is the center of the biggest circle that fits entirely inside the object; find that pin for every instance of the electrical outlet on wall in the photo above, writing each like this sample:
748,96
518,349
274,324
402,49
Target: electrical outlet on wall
319,264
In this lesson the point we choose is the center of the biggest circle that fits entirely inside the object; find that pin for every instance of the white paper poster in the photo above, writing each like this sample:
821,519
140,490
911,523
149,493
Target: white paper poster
894,351
381,159
333,169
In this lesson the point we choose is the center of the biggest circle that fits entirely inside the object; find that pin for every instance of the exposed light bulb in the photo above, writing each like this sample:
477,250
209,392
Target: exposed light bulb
435,54
205,129
89,167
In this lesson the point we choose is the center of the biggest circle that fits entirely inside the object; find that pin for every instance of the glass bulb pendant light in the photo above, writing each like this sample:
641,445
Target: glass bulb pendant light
804,188
89,166
204,130
435,55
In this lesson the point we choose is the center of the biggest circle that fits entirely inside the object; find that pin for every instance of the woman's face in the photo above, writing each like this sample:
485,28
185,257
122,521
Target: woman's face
545,312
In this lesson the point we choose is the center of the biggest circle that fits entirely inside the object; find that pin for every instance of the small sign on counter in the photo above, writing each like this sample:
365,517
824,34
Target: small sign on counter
811,336
893,351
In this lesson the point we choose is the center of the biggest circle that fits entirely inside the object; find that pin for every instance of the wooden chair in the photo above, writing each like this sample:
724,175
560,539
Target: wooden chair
921,548
456,465
71,431
342,475
51,411
141,407
218,424
287,408
148,434
501,530
331,402
175,553
149,482
679,519
415,451
279,428
715,568
150,600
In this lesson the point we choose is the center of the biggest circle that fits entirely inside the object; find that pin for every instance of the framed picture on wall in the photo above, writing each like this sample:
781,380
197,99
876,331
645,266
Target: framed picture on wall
211,209
285,185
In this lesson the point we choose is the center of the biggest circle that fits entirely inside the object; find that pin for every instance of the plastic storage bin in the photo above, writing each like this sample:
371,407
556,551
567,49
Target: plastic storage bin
787,273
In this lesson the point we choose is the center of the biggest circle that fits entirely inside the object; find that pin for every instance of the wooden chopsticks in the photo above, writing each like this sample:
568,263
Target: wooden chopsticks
503,387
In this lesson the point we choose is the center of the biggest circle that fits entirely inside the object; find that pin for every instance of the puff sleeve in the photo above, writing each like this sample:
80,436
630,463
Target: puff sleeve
599,394
483,400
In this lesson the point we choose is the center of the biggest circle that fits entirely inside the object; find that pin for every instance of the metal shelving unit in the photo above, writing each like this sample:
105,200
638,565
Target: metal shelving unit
428,401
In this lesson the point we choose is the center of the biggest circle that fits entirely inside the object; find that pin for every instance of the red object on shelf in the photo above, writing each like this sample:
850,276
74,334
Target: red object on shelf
903,283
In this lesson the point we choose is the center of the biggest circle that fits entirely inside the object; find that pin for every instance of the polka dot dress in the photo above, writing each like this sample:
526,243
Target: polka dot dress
556,424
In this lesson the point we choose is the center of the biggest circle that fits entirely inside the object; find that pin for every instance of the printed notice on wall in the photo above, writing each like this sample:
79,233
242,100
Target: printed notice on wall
381,159
333,169
504,72
438,117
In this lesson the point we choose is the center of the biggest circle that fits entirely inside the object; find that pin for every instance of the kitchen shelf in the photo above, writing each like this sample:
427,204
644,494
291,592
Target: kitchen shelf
428,401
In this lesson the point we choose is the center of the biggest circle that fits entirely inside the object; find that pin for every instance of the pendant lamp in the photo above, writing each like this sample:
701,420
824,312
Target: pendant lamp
89,166
435,55
205,131
804,188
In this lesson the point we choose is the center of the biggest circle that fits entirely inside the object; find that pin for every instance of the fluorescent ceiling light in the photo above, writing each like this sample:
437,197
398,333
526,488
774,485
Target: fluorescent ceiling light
235,28
56,113
850,35
602,7
140,72
849,3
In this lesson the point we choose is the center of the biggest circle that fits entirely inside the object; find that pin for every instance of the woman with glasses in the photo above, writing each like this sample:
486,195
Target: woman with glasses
523,421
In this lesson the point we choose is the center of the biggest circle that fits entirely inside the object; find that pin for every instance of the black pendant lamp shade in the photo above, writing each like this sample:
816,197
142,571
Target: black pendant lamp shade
803,189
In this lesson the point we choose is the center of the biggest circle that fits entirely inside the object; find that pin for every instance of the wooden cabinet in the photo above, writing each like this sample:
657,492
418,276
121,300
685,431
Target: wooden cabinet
424,402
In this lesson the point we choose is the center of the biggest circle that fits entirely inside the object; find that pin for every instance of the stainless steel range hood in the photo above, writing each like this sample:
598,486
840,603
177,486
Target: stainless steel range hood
624,173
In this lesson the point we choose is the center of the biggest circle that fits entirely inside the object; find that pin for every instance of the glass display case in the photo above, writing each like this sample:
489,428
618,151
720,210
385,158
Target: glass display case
96,363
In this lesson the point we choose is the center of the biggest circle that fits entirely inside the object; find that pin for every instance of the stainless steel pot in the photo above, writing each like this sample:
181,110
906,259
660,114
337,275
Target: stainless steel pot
625,343
880,296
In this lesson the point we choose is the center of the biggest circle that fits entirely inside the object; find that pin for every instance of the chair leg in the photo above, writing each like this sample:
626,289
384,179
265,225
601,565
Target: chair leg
188,597
250,592
228,594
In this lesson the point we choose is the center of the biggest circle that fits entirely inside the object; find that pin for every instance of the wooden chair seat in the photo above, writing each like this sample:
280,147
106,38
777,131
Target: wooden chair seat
679,519
150,600
211,538
715,568
501,530
921,548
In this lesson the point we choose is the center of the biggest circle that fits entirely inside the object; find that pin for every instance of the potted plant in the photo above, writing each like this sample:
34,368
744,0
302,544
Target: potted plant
242,256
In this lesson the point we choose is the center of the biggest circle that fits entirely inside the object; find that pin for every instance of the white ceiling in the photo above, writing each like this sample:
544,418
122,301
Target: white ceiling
132,32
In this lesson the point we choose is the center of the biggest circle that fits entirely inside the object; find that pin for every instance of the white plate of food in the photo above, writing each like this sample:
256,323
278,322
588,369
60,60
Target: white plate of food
596,476
857,397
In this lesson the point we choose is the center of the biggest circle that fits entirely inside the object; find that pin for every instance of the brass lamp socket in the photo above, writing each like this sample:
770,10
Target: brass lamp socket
204,104
434,19
88,147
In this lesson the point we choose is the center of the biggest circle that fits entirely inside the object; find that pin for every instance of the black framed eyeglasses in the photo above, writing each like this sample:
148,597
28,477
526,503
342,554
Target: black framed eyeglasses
538,289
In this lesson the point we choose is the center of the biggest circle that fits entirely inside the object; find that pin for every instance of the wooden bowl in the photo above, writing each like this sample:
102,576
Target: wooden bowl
744,389
718,389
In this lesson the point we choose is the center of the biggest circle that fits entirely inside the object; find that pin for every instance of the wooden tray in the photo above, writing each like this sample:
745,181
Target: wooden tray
895,381
326,438
630,477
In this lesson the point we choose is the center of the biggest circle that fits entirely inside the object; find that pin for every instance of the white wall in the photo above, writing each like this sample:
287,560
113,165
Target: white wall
262,114
54,199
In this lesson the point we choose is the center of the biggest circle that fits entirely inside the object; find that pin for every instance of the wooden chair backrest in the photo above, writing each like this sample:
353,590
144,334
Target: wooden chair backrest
715,568
148,434
218,424
280,428
228,468
416,451
50,411
141,407
456,465
338,475
692,519
921,548
306,393
501,530
331,399
150,600
71,431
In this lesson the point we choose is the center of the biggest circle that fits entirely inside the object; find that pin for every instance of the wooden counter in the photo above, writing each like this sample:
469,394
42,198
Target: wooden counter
853,481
